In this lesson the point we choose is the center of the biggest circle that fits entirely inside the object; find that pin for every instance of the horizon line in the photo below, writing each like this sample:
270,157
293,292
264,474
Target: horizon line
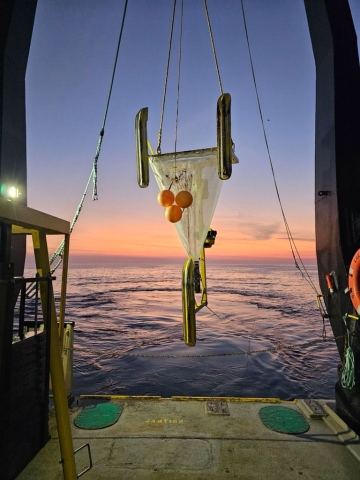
79,259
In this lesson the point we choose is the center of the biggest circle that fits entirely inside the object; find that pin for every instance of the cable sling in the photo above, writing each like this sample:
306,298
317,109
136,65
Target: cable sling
178,85
93,175
291,240
102,131
213,47
158,150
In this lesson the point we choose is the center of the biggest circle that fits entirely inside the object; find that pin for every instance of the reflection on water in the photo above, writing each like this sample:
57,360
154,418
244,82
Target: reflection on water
137,309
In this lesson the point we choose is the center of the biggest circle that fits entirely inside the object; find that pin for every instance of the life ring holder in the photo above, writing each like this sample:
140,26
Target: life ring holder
354,281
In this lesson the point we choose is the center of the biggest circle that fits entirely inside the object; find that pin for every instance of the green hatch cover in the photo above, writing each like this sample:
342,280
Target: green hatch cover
102,415
283,420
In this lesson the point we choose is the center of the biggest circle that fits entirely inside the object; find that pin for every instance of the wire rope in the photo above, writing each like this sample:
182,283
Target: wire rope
158,150
93,175
305,274
213,46
102,131
178,85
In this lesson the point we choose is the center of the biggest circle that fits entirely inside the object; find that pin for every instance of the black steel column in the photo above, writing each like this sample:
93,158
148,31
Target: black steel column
7,295
16,25
337,170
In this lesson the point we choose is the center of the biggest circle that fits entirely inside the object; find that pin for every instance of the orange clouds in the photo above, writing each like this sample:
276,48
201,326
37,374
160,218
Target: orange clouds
148,239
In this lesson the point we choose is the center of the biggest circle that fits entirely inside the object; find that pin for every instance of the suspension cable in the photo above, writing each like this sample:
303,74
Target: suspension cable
213,47
102,131
292,243
93,175
158,150
178,85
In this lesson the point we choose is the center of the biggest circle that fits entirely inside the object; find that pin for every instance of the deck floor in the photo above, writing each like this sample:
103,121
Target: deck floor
176,440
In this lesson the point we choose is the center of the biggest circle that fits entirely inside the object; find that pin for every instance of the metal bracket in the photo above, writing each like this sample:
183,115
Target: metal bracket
90,458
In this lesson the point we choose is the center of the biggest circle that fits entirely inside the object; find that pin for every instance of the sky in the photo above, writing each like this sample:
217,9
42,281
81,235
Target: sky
67,83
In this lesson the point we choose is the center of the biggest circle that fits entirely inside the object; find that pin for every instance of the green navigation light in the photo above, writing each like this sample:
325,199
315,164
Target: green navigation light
10,192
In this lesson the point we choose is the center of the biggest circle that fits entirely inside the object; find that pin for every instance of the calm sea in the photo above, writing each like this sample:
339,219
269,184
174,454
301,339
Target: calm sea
137,310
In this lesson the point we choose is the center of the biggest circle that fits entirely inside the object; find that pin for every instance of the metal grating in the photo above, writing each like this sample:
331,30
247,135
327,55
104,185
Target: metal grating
217,408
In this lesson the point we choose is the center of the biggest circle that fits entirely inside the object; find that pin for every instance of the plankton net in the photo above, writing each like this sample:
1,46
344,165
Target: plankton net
199,175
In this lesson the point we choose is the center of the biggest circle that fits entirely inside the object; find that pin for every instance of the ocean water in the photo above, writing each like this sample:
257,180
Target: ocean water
136,310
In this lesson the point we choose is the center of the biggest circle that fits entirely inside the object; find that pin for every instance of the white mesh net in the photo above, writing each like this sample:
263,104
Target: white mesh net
196,172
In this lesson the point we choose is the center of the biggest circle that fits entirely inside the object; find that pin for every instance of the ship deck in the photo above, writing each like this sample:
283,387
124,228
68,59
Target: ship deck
158,438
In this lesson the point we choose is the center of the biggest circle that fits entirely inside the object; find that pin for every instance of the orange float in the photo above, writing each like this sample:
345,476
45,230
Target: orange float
184,199
173,213
166,198
354,281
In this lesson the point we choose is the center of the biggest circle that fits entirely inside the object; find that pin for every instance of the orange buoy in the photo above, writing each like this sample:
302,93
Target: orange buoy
173,213
166,198
184,199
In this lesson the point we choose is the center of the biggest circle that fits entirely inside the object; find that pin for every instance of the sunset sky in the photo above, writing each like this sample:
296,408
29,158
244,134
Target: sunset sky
67,81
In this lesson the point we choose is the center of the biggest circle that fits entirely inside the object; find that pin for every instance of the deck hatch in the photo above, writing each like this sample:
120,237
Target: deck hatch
98,416
283,420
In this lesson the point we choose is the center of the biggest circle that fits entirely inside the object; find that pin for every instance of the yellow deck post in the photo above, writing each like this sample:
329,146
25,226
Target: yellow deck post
65,267
56,368
27,221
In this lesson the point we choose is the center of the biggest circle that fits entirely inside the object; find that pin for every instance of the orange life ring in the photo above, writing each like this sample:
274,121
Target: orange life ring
354,281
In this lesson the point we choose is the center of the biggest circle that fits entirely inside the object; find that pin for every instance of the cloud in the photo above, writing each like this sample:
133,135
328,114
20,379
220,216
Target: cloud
260,231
